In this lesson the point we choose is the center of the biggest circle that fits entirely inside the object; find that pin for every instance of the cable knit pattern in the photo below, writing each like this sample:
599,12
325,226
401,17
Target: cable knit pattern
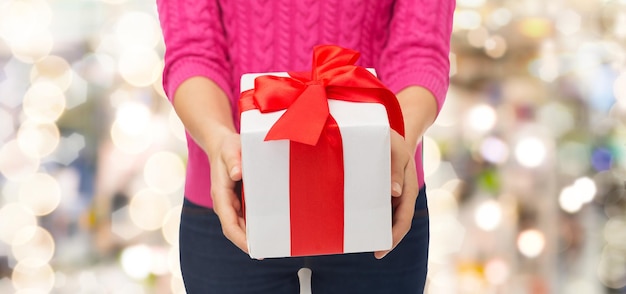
406,41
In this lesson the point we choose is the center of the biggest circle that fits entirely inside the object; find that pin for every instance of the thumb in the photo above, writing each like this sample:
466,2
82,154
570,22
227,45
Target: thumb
398,164
231,156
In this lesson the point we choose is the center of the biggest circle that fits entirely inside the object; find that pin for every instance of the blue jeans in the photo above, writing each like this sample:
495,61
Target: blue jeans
212,264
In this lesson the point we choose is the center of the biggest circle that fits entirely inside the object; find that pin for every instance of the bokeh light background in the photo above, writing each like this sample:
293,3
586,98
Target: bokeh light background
526,164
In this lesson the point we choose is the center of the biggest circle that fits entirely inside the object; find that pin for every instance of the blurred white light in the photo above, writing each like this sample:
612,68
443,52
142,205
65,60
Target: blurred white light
442,203
41,193
569,200
140,66
164,172
133,117
619,88
176,126
137,29
494,150
52,69
33,47
482,117
13,217
137,261
531,243
619,26
467,19
530,152
500,17
497,271
148,209
471,3
171,224
7,127
44,102
612,268
33,246
488,215
586,187
174,262
33,278
38,139
614,233
432,156
568,22
177,286
15,164
22,19
128,142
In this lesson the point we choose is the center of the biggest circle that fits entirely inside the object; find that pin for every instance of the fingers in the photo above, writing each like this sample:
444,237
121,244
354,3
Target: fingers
399,159
228,209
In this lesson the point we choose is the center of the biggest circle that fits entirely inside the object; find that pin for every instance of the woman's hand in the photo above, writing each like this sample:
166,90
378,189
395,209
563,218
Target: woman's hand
225,173
404,189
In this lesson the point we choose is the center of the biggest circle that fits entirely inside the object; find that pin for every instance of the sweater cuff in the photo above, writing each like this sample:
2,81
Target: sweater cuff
193,67
419,76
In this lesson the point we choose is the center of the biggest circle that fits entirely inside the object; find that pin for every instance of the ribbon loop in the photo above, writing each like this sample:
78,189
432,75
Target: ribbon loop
333,75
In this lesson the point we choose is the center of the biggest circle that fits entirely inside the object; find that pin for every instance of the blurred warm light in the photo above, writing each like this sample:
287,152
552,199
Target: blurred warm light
97,68
477,37
137,261
569,200
177,128
557,118
15,164
612,268
497,271
614,233
530,152
41,193
137,29
22,19
442,202
494,150
531,243
6,125
148,209
44,102
488,215
495,46
13,217
52,69
128,142
619,28
568,22
33,246
140,66
432,155
133,117
467,19
587,189
38,139
164,172
160,261
171,224
535,27
450,111
481,118
33,279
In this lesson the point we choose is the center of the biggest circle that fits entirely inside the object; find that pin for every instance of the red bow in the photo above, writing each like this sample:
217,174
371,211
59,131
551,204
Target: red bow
305,95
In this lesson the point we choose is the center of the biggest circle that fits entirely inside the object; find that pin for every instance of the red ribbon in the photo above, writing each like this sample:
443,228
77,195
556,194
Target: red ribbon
316,152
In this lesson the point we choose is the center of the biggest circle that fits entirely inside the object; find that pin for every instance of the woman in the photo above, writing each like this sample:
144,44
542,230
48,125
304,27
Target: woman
211,43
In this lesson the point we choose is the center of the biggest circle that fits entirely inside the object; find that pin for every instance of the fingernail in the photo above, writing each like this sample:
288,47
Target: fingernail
396,188
234,170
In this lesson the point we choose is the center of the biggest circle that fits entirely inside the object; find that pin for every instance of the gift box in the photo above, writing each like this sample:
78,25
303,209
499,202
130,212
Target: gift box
315,152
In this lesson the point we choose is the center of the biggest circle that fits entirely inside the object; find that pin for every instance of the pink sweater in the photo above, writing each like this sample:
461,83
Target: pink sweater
406,41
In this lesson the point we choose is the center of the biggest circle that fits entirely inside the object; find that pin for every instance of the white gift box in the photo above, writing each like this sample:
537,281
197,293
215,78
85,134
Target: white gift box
367,175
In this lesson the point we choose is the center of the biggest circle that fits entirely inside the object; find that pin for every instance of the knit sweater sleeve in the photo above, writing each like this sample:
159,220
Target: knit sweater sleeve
417,50
195,44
